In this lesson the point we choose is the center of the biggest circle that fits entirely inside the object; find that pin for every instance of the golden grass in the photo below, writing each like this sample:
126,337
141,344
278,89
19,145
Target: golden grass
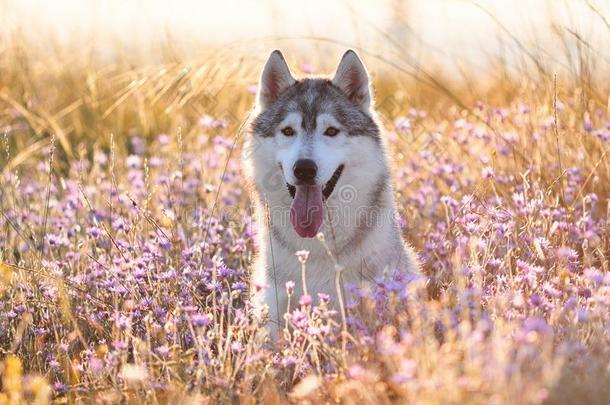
87,104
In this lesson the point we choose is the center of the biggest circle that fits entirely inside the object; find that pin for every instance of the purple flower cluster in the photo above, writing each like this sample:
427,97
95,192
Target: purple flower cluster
132,267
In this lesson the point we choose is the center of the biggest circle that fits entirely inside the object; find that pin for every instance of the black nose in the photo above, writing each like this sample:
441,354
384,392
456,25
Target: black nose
305,170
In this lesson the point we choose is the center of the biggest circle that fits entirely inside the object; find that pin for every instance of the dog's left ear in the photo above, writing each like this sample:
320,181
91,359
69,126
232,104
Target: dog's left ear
275,79
352,78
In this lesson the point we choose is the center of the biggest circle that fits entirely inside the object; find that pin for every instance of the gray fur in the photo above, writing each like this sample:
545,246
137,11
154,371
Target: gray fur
376,205
310,97
279,237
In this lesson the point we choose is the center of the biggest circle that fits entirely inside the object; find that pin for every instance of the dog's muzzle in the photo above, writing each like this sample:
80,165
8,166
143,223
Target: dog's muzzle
328,188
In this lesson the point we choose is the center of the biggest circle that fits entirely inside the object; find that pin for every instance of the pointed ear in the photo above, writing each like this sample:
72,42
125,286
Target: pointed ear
352,78
275,79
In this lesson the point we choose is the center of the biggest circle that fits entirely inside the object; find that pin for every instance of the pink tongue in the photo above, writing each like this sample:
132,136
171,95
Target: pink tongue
306,213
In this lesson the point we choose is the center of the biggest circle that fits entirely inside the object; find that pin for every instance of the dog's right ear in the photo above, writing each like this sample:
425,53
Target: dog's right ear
275,79
352,78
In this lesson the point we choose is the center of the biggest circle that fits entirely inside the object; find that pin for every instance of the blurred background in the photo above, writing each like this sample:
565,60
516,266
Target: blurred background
85,69
455,34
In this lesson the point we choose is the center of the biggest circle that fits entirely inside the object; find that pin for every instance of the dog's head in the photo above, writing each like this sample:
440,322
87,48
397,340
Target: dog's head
312,136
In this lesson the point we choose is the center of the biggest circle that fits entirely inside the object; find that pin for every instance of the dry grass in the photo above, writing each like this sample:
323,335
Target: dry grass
527,144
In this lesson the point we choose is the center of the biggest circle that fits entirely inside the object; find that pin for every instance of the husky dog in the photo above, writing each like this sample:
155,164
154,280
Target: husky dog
316,159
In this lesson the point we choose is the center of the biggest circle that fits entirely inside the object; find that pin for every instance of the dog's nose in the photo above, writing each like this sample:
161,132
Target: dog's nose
305,170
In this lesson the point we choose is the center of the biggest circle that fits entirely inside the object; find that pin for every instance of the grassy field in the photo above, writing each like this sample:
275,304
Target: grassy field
126,236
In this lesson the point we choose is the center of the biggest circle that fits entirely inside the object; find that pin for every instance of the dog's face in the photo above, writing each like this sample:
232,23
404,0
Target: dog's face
311,135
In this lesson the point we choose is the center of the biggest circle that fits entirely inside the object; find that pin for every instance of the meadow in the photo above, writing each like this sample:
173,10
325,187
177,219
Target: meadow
127,235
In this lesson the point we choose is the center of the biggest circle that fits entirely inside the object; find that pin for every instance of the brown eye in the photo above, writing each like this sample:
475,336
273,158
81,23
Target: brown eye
288,131
331,131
